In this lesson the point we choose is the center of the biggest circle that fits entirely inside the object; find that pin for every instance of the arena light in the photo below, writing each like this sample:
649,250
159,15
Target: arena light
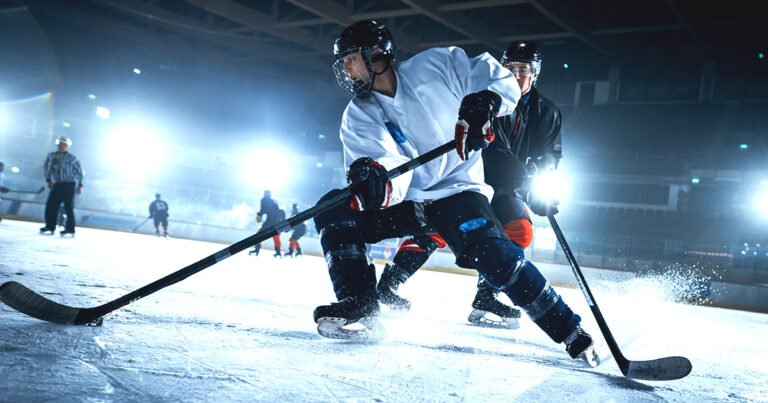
3,119
103,113
762,200
551,186
267,167
136,152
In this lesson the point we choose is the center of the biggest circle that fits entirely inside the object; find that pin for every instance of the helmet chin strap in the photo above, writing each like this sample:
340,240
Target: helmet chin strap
374,74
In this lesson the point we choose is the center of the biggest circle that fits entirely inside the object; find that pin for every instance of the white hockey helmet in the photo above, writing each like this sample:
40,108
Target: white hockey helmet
63,139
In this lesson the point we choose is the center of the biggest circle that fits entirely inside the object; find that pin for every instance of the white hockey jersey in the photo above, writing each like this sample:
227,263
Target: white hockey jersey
422,116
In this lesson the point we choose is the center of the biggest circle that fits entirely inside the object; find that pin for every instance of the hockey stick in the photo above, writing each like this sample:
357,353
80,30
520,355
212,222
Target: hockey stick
6,190
26,301
661,369
140,224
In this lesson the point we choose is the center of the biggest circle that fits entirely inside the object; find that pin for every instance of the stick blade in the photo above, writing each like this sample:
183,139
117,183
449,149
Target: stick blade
662,369
28,302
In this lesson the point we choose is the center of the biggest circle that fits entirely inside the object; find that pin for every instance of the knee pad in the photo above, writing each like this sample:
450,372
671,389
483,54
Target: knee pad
342,212
519,231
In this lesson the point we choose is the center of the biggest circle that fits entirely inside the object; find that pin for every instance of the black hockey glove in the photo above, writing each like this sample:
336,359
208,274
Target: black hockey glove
541,206
474,129
539,200
369,184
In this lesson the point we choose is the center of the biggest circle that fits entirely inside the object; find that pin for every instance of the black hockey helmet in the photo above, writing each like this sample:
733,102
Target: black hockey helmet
523,52
373,42
157,195
365,34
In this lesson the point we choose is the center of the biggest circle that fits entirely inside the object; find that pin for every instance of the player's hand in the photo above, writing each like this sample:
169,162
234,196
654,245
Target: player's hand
369,184
474,128
79,190
50,184
542,206
258,218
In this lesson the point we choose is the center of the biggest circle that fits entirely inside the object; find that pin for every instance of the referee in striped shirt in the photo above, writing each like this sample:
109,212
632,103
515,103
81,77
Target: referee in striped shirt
65,179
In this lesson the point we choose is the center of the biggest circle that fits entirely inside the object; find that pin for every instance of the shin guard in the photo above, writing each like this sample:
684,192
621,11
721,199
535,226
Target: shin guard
503,265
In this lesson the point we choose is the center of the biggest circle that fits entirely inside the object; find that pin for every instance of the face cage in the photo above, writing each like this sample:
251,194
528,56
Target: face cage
535,66
356,87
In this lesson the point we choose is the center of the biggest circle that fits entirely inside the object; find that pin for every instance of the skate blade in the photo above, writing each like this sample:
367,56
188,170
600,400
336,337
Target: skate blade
481,318
589,357
366,329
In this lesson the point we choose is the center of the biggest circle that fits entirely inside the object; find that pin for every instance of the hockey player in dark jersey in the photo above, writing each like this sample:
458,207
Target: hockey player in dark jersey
527,143
158,212
294,248
274,214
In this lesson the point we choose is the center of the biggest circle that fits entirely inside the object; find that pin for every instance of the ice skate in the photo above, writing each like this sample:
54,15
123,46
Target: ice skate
289,253
387,291
46,231
352,318
579,346
488,311
64,234
254,251
277,253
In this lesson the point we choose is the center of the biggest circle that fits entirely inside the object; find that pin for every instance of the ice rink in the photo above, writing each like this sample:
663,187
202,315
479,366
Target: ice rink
242,330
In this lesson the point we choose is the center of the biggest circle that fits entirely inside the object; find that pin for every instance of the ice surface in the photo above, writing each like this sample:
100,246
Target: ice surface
242,330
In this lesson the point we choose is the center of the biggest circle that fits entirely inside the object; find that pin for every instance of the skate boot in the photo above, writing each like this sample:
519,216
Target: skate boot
485,302
362,309
289,253
298,252
65,233
46,231
157,233
277,253
387,290
254,251
165,235
579,345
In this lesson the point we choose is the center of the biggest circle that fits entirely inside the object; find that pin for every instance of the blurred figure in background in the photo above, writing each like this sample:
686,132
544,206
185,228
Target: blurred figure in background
64,176
158,212
274,214
294,248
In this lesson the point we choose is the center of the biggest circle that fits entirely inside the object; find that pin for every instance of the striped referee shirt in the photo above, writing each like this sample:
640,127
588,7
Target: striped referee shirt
63,167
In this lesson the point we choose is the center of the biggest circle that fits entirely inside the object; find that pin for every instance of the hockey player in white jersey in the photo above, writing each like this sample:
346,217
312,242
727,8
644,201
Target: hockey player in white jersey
399,112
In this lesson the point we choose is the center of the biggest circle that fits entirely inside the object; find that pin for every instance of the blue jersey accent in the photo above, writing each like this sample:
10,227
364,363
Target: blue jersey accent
473,224
395,132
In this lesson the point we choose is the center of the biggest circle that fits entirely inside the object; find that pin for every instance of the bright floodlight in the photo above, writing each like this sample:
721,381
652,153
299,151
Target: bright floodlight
15,169
136,152
551,186
103,113
4,123
762,200
136,71
268,167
